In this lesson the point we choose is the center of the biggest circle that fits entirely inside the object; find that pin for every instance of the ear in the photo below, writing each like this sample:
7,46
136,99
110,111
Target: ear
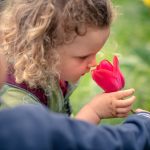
3,70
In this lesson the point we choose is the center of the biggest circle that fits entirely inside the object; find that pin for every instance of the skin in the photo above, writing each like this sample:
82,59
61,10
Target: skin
80,55
101,106
76,59
107,105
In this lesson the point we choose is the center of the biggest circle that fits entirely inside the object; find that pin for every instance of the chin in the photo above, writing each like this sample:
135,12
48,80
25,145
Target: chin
75,81
72,80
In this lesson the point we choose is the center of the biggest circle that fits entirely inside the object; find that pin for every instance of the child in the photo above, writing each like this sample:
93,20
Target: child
31,127
49,45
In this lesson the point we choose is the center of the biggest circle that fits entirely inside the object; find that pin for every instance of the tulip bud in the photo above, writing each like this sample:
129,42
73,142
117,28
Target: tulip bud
108,76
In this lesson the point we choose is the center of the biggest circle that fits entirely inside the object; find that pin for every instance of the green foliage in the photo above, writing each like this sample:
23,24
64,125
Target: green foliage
130,40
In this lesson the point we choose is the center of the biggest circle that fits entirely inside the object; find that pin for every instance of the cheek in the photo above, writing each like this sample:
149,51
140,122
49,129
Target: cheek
73,67
79,66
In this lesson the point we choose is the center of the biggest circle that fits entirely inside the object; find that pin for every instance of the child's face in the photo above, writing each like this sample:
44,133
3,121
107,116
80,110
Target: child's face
78,57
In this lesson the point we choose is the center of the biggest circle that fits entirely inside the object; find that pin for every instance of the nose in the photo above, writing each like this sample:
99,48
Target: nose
92,63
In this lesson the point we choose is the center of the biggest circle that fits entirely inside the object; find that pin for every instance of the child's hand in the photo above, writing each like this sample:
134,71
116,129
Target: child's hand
115,104
107,105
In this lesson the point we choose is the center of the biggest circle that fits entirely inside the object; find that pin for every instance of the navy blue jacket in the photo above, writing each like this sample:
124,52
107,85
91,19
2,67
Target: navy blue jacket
31,127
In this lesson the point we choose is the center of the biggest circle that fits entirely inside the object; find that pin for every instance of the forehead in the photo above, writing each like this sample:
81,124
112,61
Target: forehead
91,42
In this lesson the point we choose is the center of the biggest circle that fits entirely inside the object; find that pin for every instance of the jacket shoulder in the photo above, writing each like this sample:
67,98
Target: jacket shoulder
12,96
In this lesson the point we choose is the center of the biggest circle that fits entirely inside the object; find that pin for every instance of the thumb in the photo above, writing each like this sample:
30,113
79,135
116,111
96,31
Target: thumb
140,110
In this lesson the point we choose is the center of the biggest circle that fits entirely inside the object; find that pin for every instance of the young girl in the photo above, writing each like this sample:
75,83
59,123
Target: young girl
49,45
25,123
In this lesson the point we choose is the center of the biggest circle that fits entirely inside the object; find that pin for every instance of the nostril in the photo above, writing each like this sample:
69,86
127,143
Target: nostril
93,64
92,68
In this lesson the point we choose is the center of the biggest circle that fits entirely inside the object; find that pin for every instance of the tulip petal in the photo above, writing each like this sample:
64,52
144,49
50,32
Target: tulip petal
106,80
122,80
105,64
108,76
115,64
117,71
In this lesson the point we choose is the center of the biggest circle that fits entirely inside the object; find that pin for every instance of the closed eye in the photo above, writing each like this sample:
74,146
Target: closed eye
83,57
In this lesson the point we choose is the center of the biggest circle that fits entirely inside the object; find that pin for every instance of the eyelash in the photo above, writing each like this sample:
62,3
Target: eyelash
84,57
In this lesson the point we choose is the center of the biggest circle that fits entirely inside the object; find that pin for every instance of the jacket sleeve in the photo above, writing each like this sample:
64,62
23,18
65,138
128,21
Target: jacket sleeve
34,127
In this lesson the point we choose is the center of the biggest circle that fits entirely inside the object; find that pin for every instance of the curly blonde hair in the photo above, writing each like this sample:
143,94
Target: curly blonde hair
31,30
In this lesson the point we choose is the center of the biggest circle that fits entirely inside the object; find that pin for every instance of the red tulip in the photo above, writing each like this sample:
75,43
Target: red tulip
108,76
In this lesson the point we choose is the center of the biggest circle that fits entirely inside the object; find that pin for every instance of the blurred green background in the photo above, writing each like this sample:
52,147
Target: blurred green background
130,40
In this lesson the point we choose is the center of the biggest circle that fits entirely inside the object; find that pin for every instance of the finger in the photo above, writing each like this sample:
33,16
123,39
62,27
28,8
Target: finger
123,110
125,102
140,110
123,94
